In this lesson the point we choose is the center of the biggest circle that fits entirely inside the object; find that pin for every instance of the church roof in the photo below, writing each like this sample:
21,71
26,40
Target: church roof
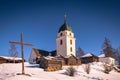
88,55
68,56
102,55
40,52
65,26
49,57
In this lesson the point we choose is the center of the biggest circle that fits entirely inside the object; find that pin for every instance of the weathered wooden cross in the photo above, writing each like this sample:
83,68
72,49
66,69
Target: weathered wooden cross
22,48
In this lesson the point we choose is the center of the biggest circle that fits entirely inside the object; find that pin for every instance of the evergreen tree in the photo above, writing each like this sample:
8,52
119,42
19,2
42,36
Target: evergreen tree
80,52
107,48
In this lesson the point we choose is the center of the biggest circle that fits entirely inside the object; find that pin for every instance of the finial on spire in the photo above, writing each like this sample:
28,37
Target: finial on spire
65,18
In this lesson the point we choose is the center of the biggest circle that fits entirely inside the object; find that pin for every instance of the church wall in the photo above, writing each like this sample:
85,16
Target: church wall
61,48
32,57
107,60
69,33
69,46
65,48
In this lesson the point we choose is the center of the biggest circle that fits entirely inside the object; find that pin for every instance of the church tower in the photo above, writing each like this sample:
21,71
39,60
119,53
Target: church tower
65,41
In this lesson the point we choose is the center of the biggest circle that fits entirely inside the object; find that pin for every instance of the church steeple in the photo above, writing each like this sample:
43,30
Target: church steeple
65,26
65,42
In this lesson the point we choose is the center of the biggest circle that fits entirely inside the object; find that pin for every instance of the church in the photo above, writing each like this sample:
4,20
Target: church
65,53
65,44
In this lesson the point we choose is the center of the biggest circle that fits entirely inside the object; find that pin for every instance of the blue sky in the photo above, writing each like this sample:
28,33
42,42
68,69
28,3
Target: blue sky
40,20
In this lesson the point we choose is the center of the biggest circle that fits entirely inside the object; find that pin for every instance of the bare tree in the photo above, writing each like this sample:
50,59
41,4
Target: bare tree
13,51
80,52
107,68
87,68
70,71
107,48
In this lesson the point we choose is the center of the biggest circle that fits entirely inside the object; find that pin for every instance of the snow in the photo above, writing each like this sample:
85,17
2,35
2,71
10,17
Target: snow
102,55
87,55
16,58
68,56
10,71
49,57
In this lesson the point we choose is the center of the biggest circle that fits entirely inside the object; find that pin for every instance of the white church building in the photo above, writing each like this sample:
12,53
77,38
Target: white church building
65,44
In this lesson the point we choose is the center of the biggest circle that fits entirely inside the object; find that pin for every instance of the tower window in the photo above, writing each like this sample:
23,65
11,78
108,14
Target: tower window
71,42
71,49
61,34
61,42
70,34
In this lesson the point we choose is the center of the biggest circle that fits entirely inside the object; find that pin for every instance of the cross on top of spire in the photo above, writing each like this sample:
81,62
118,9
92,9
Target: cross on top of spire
65,19
65,26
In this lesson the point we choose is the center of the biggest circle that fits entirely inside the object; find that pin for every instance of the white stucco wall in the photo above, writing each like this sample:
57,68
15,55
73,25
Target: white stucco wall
64,49
33,56
107,60
61,48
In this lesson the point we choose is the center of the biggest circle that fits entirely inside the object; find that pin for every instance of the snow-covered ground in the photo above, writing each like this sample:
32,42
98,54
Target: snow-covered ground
10,71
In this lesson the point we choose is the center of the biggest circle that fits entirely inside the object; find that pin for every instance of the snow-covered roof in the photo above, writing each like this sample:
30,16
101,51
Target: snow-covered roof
87,55
6,57
102,55
67,56
49,57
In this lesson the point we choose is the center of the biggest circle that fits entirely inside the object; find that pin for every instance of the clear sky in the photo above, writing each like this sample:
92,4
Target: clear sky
40,20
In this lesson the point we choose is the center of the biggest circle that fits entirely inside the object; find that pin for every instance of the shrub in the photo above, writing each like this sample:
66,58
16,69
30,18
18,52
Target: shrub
87,68
70,71
107,68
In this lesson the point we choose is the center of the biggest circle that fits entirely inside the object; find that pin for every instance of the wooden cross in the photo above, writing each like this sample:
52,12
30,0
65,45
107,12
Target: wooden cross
22,48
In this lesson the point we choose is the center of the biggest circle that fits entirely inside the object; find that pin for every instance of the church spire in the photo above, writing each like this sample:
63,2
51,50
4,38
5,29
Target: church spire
65,19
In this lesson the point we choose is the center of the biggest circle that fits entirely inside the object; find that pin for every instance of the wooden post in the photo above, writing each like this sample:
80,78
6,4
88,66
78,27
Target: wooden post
22,50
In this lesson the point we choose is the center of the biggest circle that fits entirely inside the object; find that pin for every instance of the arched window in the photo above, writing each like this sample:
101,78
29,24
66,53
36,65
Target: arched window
61,34
70,41
61,42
